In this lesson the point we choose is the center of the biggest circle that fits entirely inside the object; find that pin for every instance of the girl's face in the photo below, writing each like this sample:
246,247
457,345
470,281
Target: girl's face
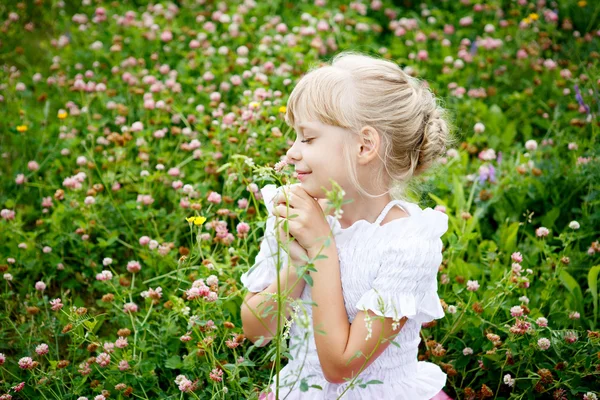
317,155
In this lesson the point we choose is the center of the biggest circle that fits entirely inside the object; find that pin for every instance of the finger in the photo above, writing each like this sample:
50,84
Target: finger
284,197
281,211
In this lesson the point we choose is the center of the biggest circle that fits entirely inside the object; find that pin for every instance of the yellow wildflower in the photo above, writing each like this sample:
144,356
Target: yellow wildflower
534,16
22,128
526,20
62,114
282,109
196,220
582,3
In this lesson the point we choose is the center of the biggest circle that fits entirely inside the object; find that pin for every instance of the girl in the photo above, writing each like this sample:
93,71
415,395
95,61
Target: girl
367,125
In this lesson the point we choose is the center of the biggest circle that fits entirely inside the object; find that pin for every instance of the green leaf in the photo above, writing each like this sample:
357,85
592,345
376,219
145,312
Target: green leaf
508,237
437,199
174,362
90,324
508,136
308,279
303,385
573,287
593,284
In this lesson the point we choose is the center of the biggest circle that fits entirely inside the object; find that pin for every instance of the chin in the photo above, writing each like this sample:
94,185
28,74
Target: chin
317,194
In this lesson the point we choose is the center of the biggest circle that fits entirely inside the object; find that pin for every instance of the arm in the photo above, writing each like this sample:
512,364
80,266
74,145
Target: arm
340,342
259,311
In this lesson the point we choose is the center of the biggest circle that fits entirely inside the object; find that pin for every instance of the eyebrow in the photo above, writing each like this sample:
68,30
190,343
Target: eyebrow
305,127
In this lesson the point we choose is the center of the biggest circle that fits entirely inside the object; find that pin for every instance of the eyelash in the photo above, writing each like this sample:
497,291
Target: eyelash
306,140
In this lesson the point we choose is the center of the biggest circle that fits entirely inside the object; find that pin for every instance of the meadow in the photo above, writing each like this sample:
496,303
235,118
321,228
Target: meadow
135,138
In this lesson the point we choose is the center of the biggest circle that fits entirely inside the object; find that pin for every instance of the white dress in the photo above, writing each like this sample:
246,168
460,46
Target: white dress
398,261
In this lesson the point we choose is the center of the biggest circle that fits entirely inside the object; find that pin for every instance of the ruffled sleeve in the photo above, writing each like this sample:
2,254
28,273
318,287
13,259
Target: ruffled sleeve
264,270
406,282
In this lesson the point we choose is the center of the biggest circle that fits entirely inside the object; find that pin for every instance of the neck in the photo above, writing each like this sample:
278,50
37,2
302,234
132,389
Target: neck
362,208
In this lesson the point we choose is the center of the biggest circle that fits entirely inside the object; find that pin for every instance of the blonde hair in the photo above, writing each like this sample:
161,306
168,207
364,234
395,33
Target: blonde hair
357,90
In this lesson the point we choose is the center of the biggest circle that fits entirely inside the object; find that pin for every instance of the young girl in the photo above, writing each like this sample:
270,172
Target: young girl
367,125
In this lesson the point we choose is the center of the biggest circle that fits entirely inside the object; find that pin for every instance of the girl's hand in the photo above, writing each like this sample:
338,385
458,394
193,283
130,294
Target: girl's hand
306,221
295,251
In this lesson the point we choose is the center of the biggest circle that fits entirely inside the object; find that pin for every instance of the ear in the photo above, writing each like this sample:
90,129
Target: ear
368,144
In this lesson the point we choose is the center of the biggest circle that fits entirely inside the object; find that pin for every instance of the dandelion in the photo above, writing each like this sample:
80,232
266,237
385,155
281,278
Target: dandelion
22,128
282,109
543,344
62,114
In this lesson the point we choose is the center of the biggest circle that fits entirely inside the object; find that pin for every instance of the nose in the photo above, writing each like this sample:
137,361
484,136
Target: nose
293,154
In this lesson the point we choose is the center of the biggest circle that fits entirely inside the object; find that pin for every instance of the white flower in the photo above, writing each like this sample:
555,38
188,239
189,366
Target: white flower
531,145
590,396
509,380
467,351
544,344
574,225
479,127
472,286
452,309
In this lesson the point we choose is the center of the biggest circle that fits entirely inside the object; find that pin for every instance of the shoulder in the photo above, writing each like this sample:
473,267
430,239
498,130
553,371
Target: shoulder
420,224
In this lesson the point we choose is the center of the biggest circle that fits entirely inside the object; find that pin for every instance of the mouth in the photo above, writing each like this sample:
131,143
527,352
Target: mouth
302,175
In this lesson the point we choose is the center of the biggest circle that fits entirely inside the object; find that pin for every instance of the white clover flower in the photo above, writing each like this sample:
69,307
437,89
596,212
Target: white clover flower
574,225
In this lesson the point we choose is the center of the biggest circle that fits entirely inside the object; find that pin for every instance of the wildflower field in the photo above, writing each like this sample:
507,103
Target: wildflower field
135,138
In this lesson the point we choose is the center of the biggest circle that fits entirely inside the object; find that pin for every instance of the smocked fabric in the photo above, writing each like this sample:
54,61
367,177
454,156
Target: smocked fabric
390,269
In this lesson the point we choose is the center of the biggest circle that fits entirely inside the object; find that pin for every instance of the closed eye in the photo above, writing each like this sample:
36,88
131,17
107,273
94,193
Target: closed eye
307,140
